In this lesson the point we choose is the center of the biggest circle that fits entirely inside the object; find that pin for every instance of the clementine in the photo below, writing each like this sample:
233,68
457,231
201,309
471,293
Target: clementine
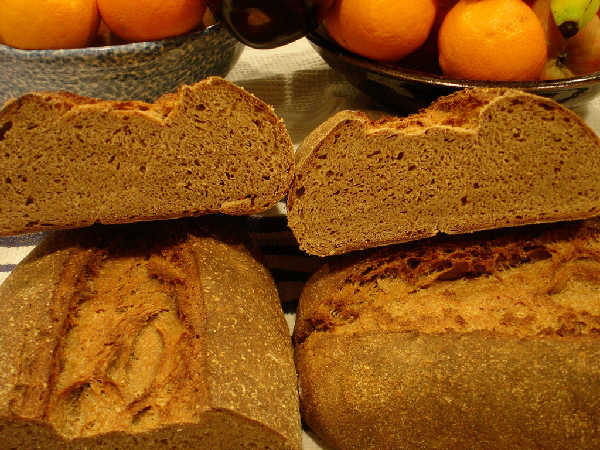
48,24
383,30
149,20
492,40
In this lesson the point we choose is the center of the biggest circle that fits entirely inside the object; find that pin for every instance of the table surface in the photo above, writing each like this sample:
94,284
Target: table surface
304,92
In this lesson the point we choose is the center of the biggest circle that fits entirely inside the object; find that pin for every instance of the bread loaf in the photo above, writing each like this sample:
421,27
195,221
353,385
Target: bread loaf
164,335
68,161
489,342
478,159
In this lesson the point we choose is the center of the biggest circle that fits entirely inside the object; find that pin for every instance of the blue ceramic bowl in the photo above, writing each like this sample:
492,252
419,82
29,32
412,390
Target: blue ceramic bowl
140,70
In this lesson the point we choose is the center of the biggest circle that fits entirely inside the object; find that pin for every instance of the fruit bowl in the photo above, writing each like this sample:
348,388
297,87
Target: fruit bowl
139,70
407,90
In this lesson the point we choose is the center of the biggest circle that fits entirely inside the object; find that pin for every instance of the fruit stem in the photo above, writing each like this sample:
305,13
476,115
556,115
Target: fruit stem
569,29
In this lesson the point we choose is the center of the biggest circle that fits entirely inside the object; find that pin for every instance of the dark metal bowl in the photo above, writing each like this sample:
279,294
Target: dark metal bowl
407,90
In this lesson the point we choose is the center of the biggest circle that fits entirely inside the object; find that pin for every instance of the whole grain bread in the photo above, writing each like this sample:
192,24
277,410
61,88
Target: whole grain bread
488,342
163,335
478,159
67,161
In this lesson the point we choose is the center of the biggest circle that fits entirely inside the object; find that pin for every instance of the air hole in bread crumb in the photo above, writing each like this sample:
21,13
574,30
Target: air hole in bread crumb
5,128
412,167
300,192
330,173
413,263
29,200
8,180
400,155
143,169
464,200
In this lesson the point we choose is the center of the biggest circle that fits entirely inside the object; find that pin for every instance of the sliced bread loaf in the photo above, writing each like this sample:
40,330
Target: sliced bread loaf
489,342
68,161
146,336
477,159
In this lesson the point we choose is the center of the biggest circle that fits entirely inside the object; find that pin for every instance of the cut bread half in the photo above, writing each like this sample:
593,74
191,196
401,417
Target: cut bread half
477,159
67,161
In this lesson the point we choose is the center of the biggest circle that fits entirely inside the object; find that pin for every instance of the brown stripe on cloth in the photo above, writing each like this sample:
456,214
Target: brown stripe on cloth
289,265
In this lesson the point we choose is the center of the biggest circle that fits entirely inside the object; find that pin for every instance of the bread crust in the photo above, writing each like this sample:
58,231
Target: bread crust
71,161
488,341
464,164
144,335
477,391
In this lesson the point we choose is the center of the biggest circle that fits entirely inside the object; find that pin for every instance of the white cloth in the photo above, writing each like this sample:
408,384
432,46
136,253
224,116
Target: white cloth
301,87
305,91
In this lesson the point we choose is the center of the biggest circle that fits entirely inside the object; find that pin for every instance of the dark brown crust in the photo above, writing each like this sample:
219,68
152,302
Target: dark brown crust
501,350
345,287
462,113
228,355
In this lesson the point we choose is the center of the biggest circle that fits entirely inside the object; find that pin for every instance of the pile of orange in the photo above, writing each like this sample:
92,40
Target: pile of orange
52,24
471,39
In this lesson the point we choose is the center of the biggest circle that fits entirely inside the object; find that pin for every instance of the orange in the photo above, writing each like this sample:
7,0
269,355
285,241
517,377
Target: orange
149,20
383,30
492,40
48,24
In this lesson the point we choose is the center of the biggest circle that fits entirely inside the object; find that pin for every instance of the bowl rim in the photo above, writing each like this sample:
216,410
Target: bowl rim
411,75
118,49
